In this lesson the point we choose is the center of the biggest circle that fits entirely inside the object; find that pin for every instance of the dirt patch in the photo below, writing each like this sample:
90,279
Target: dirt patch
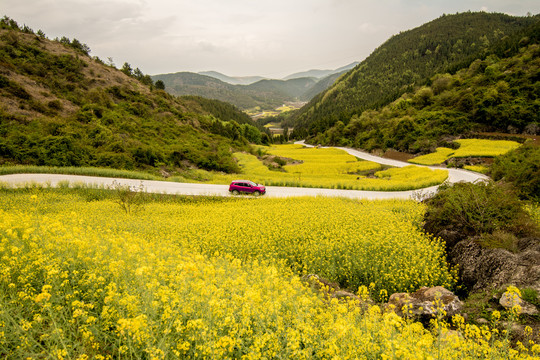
460,162
276,163
397,155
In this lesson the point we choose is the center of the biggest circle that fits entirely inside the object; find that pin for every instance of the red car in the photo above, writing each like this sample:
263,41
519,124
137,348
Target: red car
247,187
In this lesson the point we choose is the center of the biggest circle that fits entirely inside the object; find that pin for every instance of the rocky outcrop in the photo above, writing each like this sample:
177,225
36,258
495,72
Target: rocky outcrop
483,268
331,290
426,302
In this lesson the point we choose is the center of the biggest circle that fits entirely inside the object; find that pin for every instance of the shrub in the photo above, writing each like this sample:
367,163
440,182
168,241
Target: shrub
521,168
474,209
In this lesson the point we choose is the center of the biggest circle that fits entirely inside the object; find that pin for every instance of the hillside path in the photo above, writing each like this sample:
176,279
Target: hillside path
168,187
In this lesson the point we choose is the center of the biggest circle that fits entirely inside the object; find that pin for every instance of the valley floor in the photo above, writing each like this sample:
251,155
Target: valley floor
168,187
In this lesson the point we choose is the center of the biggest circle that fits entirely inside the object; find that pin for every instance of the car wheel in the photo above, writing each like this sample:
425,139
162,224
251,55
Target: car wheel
256,193
235,192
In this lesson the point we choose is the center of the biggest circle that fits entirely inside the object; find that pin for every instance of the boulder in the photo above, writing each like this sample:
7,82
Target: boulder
426,302
331,290
484,268
509,300
320,284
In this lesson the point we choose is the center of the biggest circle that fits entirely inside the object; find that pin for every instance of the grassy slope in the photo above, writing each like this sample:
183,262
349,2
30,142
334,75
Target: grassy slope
490,95
404,61
60,107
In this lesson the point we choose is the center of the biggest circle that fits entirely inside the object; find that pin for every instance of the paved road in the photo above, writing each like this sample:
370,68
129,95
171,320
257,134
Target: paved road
168,187
454,175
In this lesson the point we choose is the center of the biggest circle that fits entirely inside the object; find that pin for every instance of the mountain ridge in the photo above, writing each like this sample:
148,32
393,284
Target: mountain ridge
265,93
404,61
499,93
320,74
233,80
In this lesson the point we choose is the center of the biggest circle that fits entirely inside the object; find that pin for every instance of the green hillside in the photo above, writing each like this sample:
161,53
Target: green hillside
321,85
266,94
60,107
292,88
405,61
491,95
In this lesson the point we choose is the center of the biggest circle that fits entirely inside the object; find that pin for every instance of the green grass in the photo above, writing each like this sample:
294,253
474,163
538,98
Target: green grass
73,170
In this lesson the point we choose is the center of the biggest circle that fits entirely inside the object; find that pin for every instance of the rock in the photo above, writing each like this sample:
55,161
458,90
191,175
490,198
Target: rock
164,173
509,300
482,321
331,290
346,296
426,301
485,269
320,284
514,328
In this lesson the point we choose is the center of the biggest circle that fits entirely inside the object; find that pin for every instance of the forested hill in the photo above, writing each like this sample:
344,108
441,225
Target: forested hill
267,94
60,107
498,93
406,60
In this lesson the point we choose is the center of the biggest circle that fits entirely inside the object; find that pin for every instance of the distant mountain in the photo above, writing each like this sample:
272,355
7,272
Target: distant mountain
251,91
293,88
405,61
268,94
321,85
234,80
319,74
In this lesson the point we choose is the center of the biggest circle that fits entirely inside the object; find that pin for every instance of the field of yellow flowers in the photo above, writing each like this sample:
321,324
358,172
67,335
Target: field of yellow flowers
217,278
330,168
467,148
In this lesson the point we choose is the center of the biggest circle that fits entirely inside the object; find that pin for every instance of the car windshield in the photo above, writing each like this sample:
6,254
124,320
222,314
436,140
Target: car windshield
252,183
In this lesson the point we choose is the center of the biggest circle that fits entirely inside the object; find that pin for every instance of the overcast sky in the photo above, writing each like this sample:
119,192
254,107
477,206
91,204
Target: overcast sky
271,38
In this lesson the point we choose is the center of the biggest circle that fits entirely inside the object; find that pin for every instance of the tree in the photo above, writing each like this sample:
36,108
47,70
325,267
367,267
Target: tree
160,85
126,69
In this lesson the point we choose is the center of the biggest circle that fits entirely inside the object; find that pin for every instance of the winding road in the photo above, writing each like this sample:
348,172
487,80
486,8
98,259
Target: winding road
168,187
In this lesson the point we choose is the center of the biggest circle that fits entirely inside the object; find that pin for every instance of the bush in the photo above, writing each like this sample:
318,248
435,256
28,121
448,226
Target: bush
477,209
521,168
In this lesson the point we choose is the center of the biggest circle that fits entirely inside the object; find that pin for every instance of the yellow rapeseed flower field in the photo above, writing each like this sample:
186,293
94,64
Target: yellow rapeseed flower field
331,168
467,148
203,278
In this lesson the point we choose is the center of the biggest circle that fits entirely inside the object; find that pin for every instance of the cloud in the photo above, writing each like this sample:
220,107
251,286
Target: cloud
237,37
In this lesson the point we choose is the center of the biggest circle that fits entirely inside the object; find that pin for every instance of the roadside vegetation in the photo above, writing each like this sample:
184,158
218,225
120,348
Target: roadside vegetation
479,210
521,168
299,166
81,278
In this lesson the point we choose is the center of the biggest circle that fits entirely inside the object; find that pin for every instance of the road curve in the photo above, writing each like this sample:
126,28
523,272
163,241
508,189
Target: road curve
454,175
168,187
